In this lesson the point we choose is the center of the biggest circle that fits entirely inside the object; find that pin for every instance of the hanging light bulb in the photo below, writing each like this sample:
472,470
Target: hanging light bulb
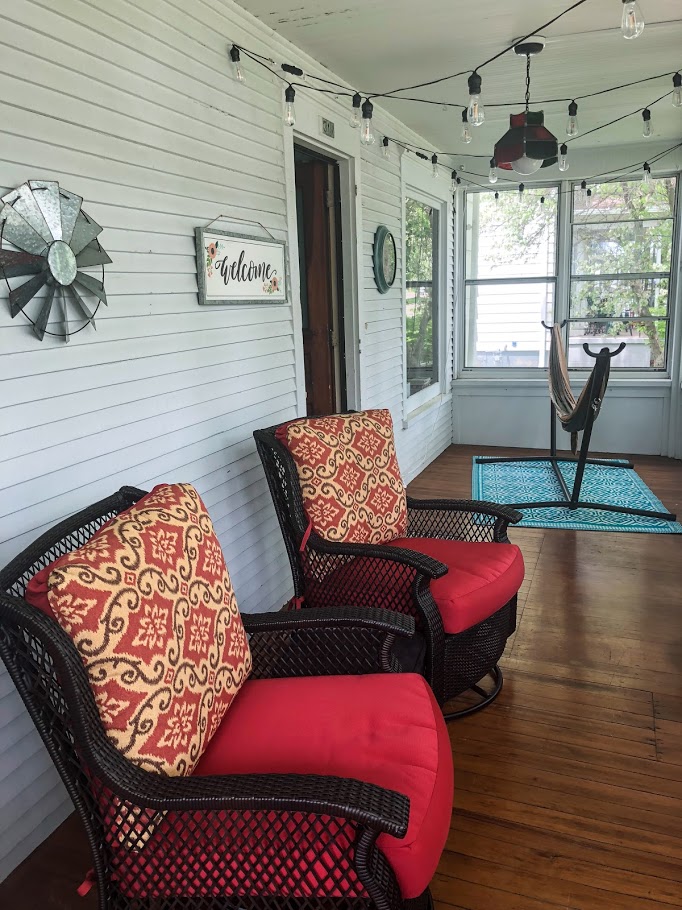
632,22
647,179
289,110
492,174
354,120
466,132
386,151
475,111
434,165
646,123
235,57
677,90
366,132
563,157
497,198
572,122
522,187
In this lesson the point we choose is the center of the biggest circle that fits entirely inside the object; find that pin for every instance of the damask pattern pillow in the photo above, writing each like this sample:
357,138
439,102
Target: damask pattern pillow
349,475
149,605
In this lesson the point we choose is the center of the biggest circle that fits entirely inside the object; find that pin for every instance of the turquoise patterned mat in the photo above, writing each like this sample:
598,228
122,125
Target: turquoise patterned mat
534,481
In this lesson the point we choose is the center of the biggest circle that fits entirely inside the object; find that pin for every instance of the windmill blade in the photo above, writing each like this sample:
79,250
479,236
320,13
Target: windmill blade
40,324
84,231
60,300
19,297
23,202
93,254
78,300
70,205
92,284
17,231
46,195
15,265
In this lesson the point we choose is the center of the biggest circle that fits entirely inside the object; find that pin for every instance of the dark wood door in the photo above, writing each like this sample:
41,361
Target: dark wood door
312,194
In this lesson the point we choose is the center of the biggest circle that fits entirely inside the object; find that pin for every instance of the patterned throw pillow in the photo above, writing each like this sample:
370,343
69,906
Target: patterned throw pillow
349,475
149,604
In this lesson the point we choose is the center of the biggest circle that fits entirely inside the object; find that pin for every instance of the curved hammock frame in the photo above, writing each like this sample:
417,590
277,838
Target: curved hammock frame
576,416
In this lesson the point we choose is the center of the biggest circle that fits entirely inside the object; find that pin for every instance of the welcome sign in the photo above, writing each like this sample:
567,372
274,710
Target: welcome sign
236,268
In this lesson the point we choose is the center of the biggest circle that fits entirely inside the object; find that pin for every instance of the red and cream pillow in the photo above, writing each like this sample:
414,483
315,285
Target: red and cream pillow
349,476
149,605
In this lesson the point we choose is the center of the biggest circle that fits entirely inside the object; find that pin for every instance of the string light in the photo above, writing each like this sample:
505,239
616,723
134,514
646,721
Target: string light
355,116
492,174
632,21
563,157
497,198
466,132
366,132
434,165
386,151
289,110
522,187
677,90
572,122
475,111
646,123
588,192
646,178
542,200
235,57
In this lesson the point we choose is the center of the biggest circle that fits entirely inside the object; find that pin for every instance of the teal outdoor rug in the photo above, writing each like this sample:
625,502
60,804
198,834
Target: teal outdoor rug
534,481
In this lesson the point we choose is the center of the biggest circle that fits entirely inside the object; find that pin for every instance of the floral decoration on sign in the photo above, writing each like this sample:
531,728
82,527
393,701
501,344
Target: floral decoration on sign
211,253
272,286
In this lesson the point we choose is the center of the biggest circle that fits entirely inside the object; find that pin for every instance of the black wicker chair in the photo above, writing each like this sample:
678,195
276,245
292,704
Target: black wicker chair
236,811
398,578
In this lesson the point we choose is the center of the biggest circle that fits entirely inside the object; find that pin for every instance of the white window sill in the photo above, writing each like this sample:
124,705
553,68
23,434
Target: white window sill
438,399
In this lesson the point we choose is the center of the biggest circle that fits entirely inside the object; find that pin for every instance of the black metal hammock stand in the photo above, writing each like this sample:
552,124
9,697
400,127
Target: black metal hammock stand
576,416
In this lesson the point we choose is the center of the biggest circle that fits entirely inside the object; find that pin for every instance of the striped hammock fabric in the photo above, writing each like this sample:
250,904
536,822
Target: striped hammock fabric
573,413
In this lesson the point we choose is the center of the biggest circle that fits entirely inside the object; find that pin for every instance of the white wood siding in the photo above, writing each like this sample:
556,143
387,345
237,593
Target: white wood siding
134,107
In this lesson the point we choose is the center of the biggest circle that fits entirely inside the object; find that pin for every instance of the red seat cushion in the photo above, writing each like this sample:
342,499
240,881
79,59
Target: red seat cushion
382,729
482,578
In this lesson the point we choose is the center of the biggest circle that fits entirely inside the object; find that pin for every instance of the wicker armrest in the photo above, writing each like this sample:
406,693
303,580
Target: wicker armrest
460,519
424,565
367,804
323,642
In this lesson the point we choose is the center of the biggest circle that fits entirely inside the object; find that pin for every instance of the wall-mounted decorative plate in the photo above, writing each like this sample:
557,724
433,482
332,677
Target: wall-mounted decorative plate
46,237
384,258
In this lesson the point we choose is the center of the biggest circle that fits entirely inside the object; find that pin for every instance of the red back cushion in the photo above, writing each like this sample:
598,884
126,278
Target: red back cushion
349,476
149,604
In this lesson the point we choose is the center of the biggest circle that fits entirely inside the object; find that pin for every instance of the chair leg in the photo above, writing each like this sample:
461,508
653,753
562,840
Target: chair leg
486,696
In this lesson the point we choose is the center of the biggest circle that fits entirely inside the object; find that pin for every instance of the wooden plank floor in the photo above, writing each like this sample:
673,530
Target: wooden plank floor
568,789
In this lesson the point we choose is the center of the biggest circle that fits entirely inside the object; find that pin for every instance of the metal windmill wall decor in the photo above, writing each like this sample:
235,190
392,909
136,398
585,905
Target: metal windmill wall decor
45,236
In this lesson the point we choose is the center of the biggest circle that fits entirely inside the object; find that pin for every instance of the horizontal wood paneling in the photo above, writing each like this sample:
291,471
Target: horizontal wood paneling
134,107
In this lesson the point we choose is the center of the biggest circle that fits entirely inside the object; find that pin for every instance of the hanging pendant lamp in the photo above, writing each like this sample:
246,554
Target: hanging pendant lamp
527,145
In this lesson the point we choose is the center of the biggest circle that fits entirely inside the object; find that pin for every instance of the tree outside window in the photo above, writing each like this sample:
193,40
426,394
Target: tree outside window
421,295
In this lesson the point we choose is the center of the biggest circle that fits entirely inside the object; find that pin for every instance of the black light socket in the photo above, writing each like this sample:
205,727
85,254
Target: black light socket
234,54
563,148
573,109
475,83
646,115
465,116
289,94
357,100
677,80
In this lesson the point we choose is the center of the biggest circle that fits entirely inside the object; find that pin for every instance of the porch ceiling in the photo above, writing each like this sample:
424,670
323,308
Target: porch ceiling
379,45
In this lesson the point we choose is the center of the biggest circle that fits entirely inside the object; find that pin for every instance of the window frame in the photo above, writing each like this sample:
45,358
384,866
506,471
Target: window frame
647,373
564,244
465,372
419,184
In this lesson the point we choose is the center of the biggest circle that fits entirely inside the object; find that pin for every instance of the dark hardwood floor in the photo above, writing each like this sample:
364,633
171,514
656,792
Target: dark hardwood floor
568,789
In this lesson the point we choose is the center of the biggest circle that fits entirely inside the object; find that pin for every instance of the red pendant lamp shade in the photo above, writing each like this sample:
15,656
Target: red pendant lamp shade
528,145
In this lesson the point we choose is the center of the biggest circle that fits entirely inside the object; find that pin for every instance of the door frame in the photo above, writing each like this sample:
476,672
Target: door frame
345,149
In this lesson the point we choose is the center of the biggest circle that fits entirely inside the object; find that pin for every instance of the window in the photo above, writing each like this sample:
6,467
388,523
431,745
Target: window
421,293
620,271
510,277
